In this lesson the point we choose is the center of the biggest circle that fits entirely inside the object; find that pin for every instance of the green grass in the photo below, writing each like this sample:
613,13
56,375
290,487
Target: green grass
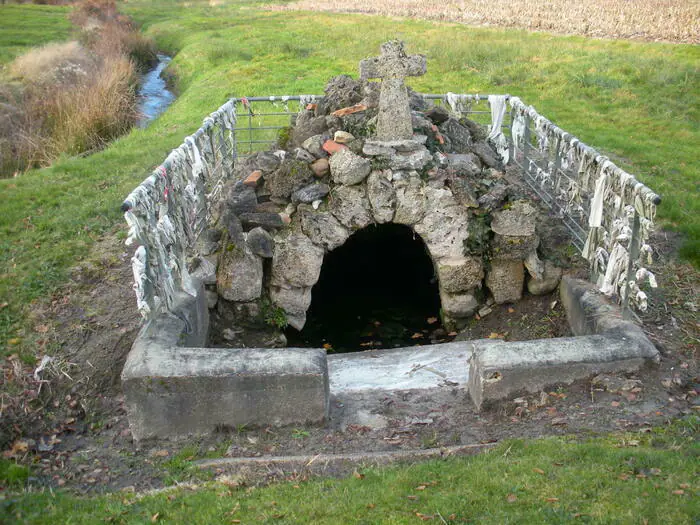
26,25
635,101
629,478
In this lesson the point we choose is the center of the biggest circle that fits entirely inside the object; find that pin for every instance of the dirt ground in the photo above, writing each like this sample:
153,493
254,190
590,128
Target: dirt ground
69,423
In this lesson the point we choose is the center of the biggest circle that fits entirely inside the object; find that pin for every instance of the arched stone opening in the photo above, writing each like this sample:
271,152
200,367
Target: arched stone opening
377,290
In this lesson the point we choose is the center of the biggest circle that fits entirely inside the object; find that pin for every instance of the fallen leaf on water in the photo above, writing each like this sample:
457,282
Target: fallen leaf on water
538,471
432,320
511,498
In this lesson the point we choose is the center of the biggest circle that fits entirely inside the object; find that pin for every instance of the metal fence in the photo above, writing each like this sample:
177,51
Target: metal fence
260,119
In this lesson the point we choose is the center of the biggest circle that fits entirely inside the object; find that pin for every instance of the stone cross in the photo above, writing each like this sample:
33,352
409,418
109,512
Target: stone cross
392,66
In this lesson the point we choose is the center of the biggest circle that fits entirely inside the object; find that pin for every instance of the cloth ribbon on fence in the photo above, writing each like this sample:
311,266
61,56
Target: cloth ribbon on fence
496,136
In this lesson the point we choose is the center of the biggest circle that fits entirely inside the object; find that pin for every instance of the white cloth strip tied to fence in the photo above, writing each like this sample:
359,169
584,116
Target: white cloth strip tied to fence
598,195
167,211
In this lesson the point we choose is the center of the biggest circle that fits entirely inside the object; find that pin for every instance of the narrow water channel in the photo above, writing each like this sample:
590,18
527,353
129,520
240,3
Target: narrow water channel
154,95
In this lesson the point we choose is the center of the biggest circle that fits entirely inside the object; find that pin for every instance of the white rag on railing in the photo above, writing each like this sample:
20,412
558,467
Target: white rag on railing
496,136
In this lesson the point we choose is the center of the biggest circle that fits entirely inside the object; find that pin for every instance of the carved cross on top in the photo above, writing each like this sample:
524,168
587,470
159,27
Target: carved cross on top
392,66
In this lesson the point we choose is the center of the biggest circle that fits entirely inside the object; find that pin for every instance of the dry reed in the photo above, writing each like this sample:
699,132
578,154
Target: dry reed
74,97
656,20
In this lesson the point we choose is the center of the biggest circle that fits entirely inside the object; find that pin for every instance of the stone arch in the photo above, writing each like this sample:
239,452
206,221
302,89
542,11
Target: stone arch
401,198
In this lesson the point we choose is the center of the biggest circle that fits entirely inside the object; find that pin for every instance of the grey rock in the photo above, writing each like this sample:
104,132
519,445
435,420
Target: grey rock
464,164
477,131
343,137
340,92
291,175
494,197
460,274
321,167
204,269
239,276
265,161
462,190
209,240
323,228
382,197
314,145
416,160
212,298
505,279
260,242
351,207
518,220
297,262
232,225
307,126
458,306
460,138
303,155
549,281
295,301
487,155
266,220
241,198
377,149
446,227
410,201
348,168
437,114
311,193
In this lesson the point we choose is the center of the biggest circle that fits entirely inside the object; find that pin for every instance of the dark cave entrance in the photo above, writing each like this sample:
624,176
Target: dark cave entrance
378,290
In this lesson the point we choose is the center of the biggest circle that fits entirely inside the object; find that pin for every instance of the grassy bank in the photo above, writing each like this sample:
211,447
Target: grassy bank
635,101
23,26
631,478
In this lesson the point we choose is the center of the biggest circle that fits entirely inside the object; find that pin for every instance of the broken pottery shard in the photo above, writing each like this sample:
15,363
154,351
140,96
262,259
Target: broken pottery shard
331,147
392,66
349,110
348,168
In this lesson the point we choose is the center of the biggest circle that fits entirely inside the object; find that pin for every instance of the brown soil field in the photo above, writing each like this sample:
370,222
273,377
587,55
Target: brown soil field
675,21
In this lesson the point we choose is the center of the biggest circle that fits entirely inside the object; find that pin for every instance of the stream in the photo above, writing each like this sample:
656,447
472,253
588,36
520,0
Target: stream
154,95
